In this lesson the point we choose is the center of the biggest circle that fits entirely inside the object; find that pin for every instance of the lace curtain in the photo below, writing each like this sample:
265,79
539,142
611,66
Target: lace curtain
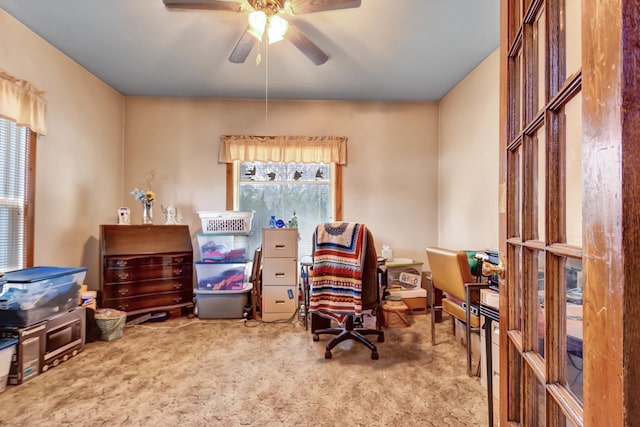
290,149
21,102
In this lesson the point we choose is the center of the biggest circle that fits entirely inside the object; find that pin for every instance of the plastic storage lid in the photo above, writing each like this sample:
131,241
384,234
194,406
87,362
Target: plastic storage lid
7,342
35,274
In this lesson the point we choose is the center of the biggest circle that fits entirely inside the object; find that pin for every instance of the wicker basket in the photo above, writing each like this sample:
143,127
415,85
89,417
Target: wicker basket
111,323
228,222
395,314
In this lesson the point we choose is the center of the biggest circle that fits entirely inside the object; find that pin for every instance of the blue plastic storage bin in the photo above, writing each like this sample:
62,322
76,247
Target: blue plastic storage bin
34,294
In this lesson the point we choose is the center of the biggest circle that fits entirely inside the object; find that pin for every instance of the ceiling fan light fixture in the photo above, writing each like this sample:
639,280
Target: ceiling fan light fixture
257,24
277,28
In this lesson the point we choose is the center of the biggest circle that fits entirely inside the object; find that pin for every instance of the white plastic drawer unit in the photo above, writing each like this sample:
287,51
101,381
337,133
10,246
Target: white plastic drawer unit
280,271
280,243
279,299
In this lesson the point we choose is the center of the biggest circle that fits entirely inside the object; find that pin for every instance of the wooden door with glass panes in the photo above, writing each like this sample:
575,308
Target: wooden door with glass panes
568,212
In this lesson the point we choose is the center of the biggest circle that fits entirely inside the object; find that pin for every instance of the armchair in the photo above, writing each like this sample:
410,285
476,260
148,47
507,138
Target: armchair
346,281
451,274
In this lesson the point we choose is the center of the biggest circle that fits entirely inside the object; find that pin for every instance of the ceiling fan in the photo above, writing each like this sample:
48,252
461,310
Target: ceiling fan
265,21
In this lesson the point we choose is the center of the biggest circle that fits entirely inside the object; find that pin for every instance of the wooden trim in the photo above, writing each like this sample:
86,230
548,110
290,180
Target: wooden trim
536,364
229,194
562,249
534,244
611,194
30,207
566,400
516,339
339,213
571,88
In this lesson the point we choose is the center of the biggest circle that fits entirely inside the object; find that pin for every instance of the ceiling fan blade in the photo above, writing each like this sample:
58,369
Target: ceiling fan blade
226,6
306,46
300,7
243,48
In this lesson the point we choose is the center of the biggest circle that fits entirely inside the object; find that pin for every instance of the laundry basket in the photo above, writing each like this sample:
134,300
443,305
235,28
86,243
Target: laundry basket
228,222
111,323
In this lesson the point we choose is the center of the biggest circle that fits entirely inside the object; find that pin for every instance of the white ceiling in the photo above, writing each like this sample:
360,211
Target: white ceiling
388,50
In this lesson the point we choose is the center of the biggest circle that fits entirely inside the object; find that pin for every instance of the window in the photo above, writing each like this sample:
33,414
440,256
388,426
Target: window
277,175
16,195
280,189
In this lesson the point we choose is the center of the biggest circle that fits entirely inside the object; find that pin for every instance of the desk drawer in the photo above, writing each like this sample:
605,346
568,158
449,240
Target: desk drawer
280,243
129,289
119,275
279,299
149,301
144,260
280,271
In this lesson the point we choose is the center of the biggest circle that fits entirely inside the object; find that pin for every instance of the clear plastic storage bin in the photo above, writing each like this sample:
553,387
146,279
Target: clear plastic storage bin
221,277
34,294
222,248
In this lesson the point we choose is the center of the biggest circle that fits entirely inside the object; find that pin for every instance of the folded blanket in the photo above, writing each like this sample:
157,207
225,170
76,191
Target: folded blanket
338,259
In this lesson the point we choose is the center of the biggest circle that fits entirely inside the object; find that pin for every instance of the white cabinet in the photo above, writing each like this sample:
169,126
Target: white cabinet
279,273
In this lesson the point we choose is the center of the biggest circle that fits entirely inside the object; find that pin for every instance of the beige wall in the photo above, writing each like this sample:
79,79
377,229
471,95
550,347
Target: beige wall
468,160
412,175
389,180
79,162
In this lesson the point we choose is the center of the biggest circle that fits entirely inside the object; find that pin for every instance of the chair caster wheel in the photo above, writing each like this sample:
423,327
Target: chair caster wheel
316,337
327,354
381,338
374,355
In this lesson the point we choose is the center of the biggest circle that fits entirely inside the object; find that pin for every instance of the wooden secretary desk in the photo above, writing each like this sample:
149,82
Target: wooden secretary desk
146,268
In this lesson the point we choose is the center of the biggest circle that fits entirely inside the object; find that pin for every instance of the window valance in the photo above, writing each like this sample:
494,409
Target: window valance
300,149
21,102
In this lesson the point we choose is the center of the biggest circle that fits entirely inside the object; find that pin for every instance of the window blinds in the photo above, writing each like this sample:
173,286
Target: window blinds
13,167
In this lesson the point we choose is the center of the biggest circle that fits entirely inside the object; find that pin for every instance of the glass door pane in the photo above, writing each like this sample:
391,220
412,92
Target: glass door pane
538,314
541,187
574,325
573,36
516,99
573,168
539,41
517,288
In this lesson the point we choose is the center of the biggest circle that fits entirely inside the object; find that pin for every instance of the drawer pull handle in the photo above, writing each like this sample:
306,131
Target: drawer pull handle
123,276
280,274
121,263
178,260
280,247
177,271
279,301
123,307
123,291
177,299
177,286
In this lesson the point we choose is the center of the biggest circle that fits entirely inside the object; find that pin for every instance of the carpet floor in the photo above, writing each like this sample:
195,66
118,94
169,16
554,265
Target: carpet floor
192,372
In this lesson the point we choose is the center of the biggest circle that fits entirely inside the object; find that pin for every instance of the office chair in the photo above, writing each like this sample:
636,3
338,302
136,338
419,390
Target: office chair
346,281
451,274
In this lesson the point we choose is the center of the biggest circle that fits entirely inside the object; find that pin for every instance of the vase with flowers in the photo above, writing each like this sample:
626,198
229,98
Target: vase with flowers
147,198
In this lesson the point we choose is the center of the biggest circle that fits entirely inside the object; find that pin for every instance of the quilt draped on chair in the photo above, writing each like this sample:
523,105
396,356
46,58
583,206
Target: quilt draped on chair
338,261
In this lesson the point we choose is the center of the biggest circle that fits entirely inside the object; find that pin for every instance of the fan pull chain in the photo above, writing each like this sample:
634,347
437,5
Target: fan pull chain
266,85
